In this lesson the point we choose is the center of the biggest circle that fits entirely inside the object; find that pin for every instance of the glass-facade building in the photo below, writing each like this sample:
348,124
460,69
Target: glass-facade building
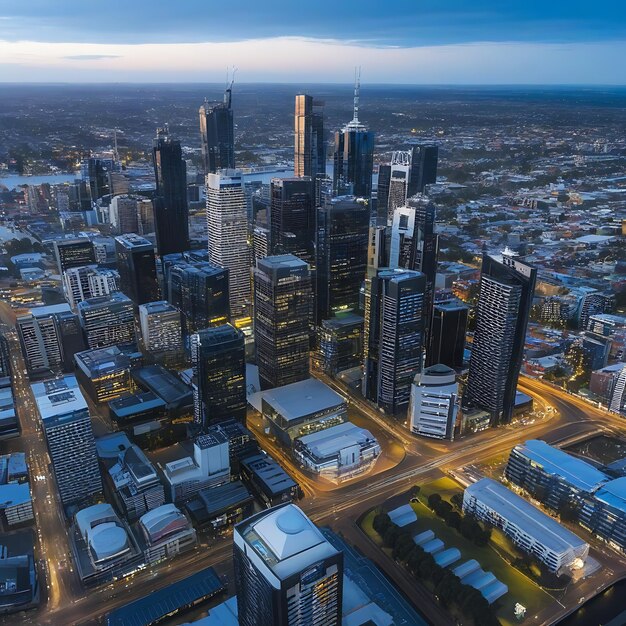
219,375
504,301
341,255
171,214
309,139
137,268
108,320
217,134
282,308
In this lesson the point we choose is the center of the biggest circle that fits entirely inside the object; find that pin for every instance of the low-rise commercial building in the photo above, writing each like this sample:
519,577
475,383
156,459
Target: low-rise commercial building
18,573
339,452
268,480
165,532
531,530
302,408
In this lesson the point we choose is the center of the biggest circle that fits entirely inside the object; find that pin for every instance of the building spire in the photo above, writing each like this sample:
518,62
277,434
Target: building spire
357,88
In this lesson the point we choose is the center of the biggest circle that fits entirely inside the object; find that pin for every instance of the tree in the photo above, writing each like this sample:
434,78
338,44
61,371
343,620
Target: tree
442,508
414,491
391,535
433,499
403,546
426,567
381,522
453,519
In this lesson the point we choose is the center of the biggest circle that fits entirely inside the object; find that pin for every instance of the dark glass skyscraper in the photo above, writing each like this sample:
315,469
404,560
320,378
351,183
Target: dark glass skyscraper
292,216
219,375
447,334
217,134
198,289
353,156
393,337
309,140
341,255
423,168
171,216
506,293
137,268
282,307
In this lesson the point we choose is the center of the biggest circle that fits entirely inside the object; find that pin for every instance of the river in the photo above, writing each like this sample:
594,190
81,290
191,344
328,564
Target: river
12,181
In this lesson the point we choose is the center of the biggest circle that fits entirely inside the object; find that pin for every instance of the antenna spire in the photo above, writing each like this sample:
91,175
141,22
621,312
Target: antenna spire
357,89
229,87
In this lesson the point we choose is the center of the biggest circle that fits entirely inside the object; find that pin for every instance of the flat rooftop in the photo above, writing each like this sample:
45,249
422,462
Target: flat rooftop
524,515
158,604
285,540
163,383
613,493
554,461
303,398
58,396
327,443
269,473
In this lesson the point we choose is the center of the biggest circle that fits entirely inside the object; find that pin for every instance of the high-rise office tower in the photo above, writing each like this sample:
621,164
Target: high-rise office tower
171,215
286,572
506,293
96,170
161,329
137,268
49,337
108,320
341,255
393,336
219,375
119,183
399,180
292,216
228,235
423,168
123,214
217,134
309,140
382,193
282,307
73,253
67,427
353,156
89,281
198,289
447,334
415,245
145,217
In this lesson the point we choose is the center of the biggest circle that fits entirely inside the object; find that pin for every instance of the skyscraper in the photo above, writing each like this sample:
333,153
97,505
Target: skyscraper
354,156
309,140
108,320
393,337
137,268
89,281
124,214
447,334
292,216
341,255
161,330
504,301
282,306
286,572
217,134
228,235
96,170
73,253
219,375
414,246
197,288
67,427
171,216
423,167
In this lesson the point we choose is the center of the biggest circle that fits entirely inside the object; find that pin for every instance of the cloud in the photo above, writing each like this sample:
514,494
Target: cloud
90,57
301,60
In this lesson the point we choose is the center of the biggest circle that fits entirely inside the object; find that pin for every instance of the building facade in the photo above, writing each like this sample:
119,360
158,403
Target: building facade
282,306
108,321
309,139
137,268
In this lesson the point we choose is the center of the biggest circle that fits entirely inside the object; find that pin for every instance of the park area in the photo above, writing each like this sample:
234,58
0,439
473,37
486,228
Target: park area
495,556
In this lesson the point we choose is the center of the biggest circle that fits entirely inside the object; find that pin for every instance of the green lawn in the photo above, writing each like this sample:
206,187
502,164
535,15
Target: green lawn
368,529
521,588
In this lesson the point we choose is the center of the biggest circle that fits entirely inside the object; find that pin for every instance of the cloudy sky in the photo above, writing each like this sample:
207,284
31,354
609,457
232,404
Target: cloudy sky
401,41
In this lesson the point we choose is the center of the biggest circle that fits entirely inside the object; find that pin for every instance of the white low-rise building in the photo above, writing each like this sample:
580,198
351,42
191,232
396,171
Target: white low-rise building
529,528
339,452
433,404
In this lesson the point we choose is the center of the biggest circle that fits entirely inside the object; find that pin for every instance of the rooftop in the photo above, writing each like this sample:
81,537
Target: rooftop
269,473
303,398
163,383
613,493
329,442
524,515
160,306
576,472
285,540
58,396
